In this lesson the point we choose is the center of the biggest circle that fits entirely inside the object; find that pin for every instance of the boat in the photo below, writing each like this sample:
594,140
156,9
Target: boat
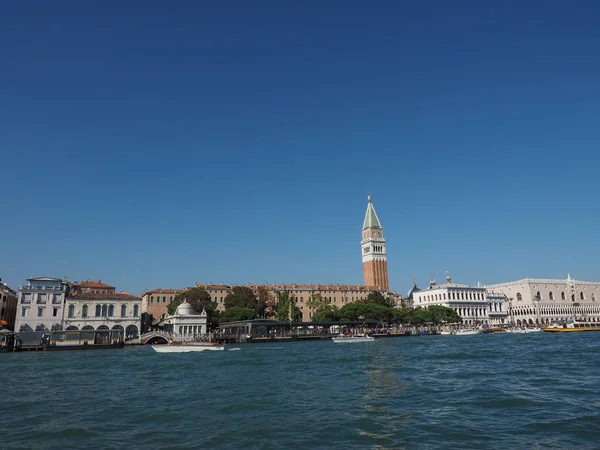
445,333
9,341
188,347
572,327
466,332
353,338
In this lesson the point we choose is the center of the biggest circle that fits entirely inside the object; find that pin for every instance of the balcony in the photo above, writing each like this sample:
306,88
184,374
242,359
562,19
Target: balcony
30,288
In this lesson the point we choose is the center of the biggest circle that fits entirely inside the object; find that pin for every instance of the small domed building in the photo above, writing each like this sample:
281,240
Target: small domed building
186,324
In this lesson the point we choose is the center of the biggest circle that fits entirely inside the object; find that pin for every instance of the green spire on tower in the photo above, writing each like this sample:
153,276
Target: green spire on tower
371,219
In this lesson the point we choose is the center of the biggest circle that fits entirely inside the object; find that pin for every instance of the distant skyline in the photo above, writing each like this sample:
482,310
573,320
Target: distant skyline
154,145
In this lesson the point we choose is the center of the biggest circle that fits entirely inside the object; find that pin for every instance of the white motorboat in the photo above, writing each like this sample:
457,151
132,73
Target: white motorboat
186,348
445,333
466,332
524,330
355,338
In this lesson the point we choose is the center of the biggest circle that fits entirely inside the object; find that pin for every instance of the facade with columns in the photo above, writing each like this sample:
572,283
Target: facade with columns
472,303
543,301
374,255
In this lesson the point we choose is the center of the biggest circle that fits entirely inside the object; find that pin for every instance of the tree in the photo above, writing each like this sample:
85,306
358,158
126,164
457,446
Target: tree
372,311
443,314
236,313
286,309
377,298
322,310
266,302
200,300
421,315
241,296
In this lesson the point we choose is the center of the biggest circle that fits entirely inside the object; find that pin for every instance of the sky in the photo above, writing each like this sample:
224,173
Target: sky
154,144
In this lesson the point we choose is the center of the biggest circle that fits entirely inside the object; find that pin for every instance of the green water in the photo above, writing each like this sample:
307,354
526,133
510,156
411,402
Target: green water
431,392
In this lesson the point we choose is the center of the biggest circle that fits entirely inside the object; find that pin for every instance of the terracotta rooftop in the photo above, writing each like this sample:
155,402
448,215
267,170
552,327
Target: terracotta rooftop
95,284
107,296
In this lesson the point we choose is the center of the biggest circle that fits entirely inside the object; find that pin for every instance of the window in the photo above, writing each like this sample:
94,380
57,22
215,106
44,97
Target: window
170,298
71,312
41,298
26,298
104,310
55,312
24,312
562,295
151,299
111,310
40,311
581,296
519,296
135,310
84,311
56,299
550,295
123,310
164,299
538,295
593,297
98,310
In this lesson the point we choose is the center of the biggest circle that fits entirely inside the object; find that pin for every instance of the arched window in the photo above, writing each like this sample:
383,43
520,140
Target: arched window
593,297
123,310
581,296
98,310
104,310
111,310
84,311
71,310
135,310
519,296
538,295
551,295
562,296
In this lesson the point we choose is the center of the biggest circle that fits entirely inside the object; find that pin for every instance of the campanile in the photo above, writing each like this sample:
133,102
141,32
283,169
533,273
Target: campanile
374,256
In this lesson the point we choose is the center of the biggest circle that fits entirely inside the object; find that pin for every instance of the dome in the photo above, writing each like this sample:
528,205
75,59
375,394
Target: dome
185,309
412,290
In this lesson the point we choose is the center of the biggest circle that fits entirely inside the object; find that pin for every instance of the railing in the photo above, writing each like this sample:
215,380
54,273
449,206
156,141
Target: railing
42,288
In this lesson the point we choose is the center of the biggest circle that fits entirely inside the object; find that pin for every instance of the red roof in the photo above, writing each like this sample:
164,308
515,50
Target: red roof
106,295
95,284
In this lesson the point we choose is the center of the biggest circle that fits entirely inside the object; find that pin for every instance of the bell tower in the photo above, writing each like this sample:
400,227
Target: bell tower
374,256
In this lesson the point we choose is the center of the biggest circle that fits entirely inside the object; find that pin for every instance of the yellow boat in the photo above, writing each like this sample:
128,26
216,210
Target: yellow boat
572,327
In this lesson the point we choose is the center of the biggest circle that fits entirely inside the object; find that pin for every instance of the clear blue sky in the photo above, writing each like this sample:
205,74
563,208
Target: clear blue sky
154,144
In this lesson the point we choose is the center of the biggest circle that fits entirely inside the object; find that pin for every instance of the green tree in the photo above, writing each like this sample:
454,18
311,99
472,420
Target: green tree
372,311
322,310
286,309
241,296
265,302
443,314
378,298
421,315
236,313
200,300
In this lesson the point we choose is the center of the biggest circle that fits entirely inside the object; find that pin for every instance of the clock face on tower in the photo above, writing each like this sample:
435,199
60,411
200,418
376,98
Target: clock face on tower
376,234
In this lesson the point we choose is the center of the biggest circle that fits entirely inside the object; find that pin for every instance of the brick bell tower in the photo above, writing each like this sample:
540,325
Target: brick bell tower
374,256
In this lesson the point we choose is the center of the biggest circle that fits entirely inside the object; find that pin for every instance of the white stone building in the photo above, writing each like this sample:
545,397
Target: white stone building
471,303
543,301
103,311
185,324
41,304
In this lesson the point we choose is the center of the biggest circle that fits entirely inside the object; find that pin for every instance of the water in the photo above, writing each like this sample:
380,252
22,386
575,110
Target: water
431,392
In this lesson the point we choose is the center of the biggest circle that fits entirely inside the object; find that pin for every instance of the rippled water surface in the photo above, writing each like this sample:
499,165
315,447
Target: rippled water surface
430,392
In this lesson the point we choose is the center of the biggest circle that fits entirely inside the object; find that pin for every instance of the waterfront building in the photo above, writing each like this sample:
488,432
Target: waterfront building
374,255
8,307
543,301
41,304
156,302
186,324
471,303
96,306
